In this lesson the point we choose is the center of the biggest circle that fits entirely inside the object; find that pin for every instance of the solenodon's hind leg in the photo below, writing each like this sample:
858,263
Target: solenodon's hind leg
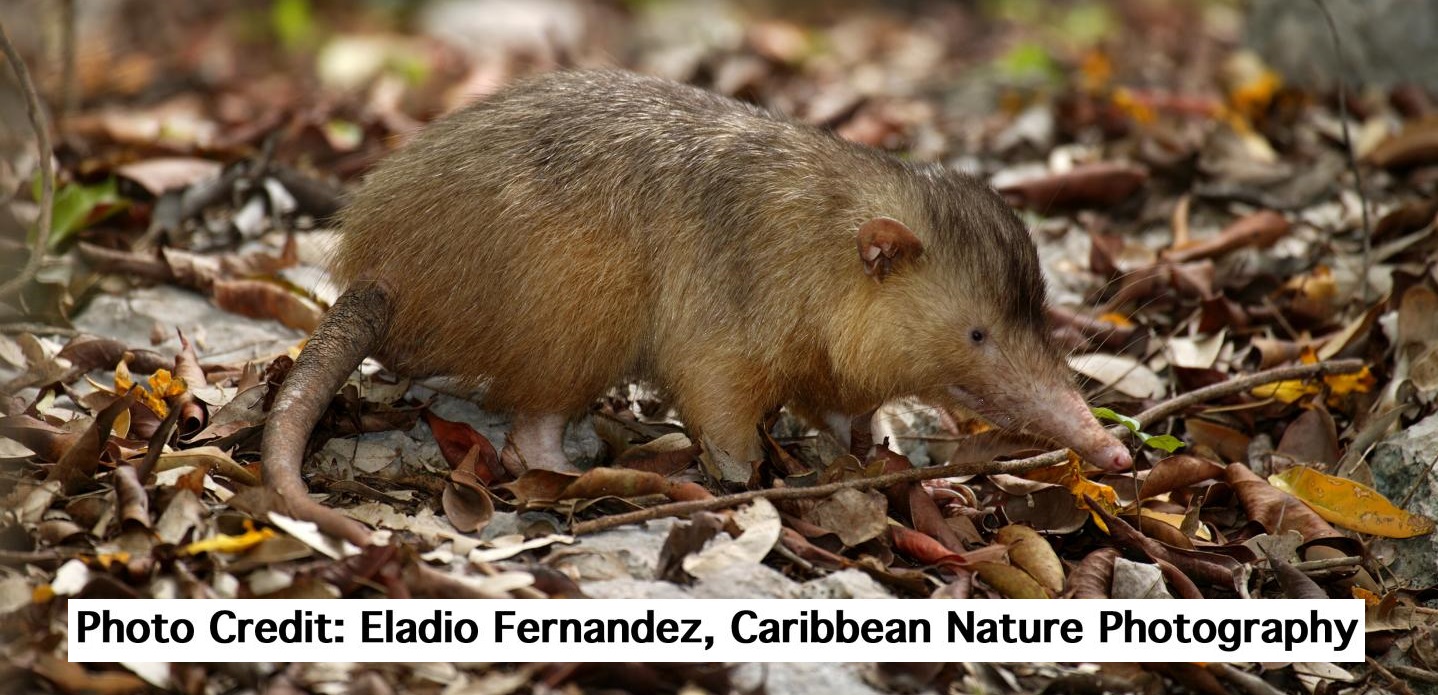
538,440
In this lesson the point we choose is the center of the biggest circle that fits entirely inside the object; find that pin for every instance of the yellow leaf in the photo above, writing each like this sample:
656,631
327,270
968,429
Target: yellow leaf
229,544
42,594
123,381
1318,285
1339,385
166,385
1351,505
1009,581
1096,69
160,383
1286,391
1070,475
1116,319
1140,112
106,559
1253,96
121,428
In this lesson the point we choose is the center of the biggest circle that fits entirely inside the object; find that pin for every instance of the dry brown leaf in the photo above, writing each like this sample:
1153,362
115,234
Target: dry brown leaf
1274,509
1177,472
1101,185
1416,145
210,459
130,498
75,679
1030,552
466,503
463,447
77,467
1093,576
1260,229
1312,438
614,482
265,300
1009,581
852,515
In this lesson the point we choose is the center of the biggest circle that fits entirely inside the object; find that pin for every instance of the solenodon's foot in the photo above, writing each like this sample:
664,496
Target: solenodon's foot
537,440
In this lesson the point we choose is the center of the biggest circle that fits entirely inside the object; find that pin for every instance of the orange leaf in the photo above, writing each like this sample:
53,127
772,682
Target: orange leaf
1369,598
1071,476
1349,504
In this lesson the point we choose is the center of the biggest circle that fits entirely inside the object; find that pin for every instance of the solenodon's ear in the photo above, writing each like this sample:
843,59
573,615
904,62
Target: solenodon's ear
884,242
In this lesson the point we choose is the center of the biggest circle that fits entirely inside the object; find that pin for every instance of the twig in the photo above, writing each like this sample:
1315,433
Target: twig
1416,674
1246,383
1246,682
1158,412
1395,682
41,125
1327,563
38,329
1348,144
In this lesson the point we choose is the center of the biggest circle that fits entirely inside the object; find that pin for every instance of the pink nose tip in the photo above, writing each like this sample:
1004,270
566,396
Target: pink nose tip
1114,457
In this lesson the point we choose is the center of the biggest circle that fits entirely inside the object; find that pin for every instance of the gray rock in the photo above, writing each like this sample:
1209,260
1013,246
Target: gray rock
849,583
1384,41
636,547
220,335
746,581
631,588
1400,463
788,678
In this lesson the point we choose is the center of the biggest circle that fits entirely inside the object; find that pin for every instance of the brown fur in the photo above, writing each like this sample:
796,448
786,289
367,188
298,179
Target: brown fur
582,228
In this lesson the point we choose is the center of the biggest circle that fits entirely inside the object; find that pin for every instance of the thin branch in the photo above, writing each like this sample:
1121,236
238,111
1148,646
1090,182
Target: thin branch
1398,684
1348,144
38,329
912,475
41,125
1328,563
1416,674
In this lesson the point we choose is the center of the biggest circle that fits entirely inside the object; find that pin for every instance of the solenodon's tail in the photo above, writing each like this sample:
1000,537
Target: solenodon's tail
350,331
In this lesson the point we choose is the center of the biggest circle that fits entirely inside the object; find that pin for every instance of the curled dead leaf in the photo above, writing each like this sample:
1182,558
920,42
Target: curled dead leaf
466,502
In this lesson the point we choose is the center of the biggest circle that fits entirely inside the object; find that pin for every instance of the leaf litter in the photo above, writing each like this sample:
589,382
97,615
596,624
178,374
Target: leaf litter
1191,236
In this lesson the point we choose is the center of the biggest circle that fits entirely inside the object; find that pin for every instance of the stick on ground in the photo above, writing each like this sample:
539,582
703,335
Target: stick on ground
1146,418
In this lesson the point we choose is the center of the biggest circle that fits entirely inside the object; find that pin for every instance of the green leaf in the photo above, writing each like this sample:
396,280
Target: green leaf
293,22
1028,62
1111,416
75,208
1166,442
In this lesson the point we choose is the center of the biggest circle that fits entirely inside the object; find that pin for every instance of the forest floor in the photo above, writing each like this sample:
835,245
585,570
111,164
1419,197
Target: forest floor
1199,220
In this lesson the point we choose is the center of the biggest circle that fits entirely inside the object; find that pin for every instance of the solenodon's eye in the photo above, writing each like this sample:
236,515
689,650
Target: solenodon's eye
978,336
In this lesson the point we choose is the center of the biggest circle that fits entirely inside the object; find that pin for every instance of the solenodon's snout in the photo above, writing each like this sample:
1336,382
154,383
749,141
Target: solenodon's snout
1112,457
